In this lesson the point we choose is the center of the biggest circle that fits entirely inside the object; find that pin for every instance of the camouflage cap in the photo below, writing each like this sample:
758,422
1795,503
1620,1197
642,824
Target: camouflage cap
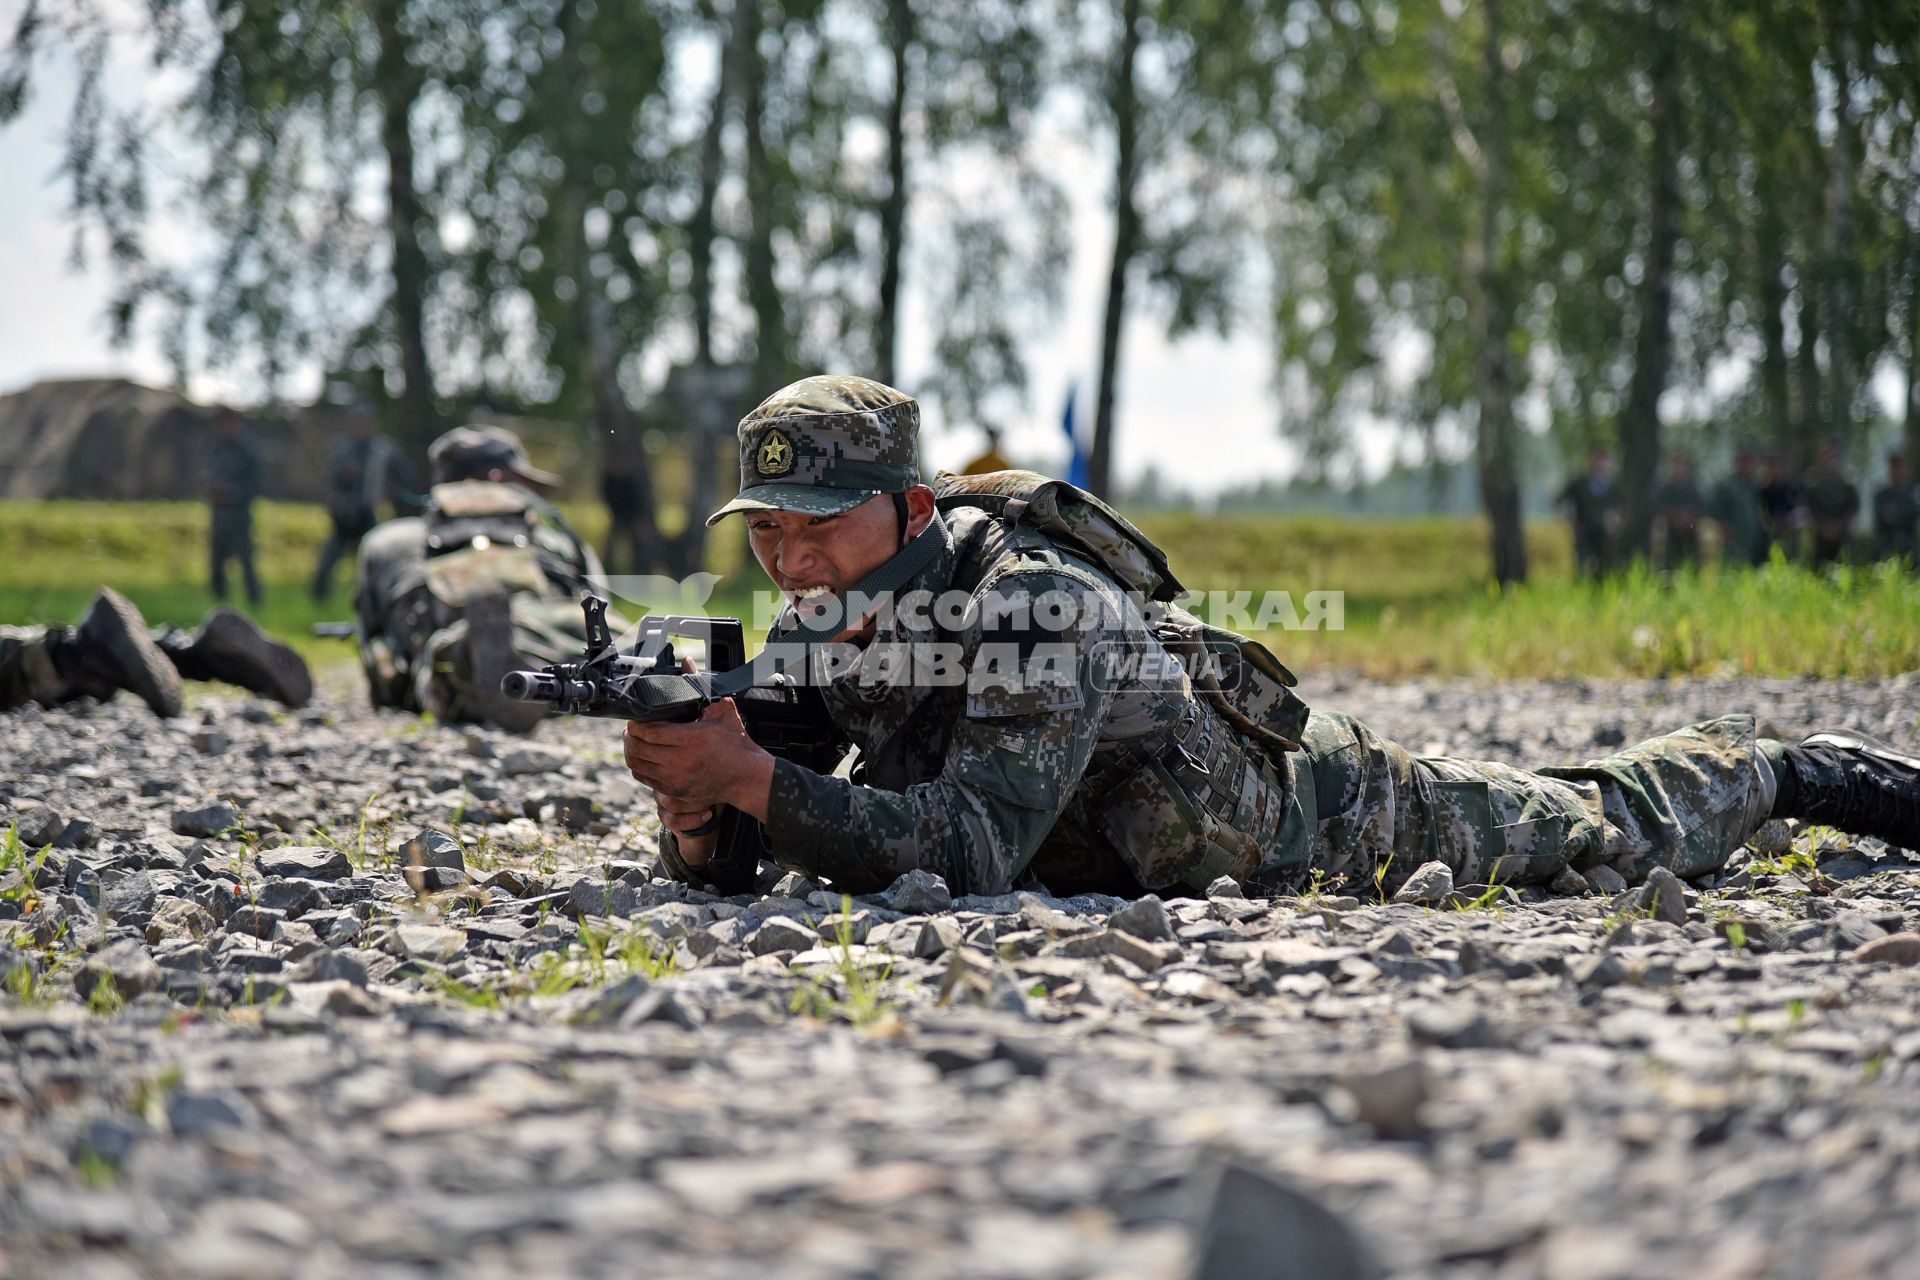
469,452
825,445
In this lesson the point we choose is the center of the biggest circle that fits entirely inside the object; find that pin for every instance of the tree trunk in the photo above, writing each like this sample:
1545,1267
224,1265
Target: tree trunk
710,426
1493,363
1770,263
893,213
1807,405
1126,243
770,364
398,85
1653,336
1913,343
1842,273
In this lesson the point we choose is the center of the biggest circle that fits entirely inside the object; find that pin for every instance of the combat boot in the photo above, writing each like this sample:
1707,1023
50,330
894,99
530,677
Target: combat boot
110,650
231,647
490,655
1855,783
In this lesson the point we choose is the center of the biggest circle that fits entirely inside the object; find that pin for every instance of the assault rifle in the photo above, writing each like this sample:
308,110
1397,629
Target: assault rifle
645,682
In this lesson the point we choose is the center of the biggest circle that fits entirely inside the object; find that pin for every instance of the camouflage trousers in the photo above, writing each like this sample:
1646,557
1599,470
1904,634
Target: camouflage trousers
26,669
1683,801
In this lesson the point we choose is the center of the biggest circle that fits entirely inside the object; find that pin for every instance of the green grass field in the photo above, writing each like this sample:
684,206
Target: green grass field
1417,593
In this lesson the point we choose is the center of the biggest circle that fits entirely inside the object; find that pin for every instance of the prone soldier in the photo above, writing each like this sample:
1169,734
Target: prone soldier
485,580
111,648
1087,774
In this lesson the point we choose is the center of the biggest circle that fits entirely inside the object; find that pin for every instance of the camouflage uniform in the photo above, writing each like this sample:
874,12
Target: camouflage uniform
233,481
1121,783
417,576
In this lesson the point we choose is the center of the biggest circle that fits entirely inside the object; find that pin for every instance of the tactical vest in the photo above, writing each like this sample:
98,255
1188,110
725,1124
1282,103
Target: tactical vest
1200,798
482,534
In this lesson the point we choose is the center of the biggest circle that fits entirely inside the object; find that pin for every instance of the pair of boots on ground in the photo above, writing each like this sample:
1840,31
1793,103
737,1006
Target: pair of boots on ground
112,649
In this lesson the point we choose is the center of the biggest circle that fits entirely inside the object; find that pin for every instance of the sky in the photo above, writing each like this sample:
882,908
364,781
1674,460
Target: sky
1198,411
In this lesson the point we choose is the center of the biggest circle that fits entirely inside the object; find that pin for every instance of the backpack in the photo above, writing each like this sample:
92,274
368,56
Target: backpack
1236,675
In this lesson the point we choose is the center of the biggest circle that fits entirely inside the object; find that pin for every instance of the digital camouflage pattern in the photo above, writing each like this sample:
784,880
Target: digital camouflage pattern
1124,787
1683,801
415,576
1123,776
1087,782
825,445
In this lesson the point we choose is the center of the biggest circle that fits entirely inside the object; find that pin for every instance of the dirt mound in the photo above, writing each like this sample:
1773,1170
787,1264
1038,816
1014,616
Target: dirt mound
107,438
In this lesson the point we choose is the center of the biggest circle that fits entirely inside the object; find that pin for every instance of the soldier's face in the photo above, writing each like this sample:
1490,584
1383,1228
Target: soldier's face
808,556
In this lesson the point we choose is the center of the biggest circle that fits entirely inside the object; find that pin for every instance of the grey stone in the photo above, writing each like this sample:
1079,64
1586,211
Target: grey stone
1225,887
593,897
1144,918
779,933
1605,879
192,1115
937,937
431,848
524,762
79,833
1894,949
126,965
332,966
38,828
432,942
1388,1096
255,921
305,862
919,893
1430,883
206,822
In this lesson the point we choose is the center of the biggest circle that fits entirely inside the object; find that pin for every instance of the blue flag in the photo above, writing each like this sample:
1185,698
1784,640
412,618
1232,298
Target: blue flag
1076,453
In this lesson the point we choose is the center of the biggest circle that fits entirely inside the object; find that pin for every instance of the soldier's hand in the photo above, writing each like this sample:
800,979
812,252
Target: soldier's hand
680,819
709,761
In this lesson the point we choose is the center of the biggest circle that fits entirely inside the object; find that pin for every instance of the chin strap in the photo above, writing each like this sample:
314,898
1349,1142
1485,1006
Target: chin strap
784,645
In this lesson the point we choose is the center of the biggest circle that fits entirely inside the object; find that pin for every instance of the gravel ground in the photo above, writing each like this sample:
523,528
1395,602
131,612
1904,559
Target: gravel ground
338,994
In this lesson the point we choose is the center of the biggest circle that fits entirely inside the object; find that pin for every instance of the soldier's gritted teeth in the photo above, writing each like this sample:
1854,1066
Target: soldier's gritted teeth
814,560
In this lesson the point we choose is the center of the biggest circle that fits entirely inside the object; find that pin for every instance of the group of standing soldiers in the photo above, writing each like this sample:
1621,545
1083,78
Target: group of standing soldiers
1756,508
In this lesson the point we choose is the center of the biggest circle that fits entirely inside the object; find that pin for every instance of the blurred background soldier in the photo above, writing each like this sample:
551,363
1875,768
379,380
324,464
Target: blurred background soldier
233,482
990,459
1735,507
1781,514
626,498
1832,503
364,470
1896,514
111,648
1591,503
1680,507
487,579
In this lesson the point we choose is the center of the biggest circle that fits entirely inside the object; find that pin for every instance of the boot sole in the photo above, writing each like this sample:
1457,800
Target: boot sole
234,646
150,676
1848,740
